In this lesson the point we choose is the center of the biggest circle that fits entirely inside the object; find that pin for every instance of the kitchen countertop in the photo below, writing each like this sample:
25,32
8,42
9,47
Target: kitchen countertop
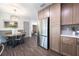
73,36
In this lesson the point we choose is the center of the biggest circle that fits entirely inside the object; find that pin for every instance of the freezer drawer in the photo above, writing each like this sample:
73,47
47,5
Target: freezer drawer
44,42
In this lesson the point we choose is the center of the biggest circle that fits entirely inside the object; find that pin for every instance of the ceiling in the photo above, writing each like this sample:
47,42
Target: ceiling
28,10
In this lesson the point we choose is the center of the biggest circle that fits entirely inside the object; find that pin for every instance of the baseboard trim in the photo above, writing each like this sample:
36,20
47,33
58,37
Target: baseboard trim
57,52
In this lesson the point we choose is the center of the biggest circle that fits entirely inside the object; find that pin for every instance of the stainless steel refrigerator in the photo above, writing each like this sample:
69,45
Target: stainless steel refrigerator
43,39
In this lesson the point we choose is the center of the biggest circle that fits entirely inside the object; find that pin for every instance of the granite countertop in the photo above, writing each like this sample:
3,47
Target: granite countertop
73,36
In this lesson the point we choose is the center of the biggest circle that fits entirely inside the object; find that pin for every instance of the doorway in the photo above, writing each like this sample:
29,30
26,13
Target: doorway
26,28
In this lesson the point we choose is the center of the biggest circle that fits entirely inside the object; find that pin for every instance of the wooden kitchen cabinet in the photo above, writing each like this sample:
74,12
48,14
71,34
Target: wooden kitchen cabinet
66,14
43,13
68,46
77,47
70,13
55,39
55,27
76,13
78,50
69,40
46,12
40,14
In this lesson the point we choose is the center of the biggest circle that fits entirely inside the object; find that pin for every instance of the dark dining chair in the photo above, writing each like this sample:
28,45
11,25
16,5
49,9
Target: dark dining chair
12,41
20,39
16,40
3,40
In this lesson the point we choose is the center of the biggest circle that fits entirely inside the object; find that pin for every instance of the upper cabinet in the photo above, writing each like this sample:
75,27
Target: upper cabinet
76,13
70,13
46,12
40,14
66,14
43,13
55,14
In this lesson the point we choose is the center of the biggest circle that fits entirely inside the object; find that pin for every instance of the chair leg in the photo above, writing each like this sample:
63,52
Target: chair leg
2,49
14,43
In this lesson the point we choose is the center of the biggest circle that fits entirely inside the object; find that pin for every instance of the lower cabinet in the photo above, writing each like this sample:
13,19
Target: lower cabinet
77,47
68,46
77,50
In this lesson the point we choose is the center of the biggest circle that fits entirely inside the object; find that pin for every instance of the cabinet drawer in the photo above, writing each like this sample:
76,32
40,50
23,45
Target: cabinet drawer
69,40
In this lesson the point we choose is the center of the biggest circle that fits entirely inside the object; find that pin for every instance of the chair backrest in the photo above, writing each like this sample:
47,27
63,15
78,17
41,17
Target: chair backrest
18,37
2,39
23,35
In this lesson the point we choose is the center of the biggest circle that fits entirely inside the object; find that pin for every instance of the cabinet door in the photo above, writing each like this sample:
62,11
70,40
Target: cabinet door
77,50
68,46
40,15
69,40
55,27
76,13
77,47
66,13
68,50
46,12
55,38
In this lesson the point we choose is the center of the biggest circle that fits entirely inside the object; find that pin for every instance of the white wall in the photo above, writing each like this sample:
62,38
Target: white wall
6,17
21,20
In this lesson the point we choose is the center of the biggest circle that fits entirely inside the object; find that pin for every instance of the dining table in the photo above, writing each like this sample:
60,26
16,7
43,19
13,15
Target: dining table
16,34
11,38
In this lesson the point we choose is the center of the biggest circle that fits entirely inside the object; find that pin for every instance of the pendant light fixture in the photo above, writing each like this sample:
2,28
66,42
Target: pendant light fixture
14,17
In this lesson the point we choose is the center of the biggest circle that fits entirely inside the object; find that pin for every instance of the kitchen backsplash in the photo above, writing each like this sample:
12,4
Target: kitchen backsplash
68,29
